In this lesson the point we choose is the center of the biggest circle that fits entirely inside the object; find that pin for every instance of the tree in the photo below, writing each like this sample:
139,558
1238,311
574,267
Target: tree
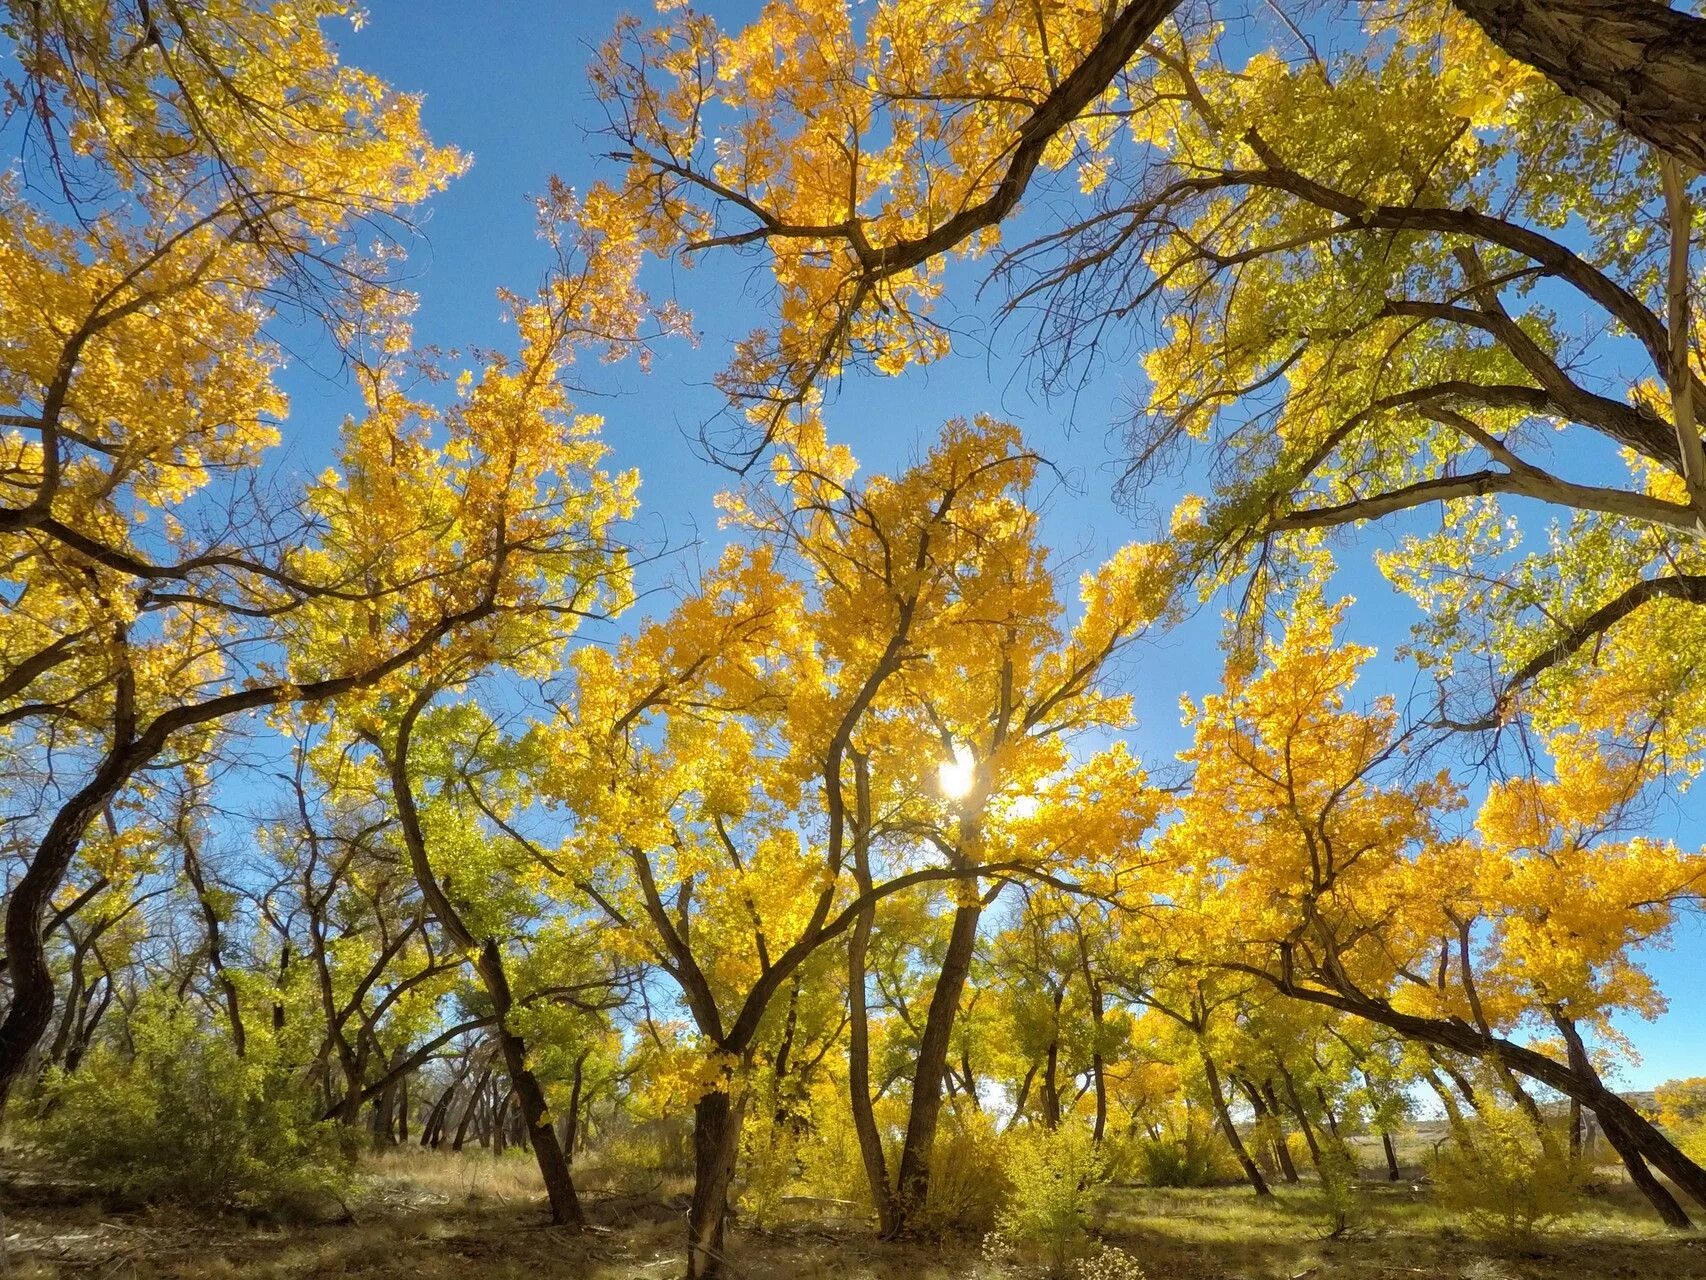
1340,887
907,136
753,776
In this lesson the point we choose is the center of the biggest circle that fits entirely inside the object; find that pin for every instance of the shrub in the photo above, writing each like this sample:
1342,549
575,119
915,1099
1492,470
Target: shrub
831,1165
1338,1170
1195,1158
185,1119
1506,1177
1053,1176
966,1186
1682,1111
1109,1263
767,1168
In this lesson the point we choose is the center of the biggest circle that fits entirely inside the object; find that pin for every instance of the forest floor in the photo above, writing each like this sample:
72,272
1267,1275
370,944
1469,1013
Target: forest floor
475,1216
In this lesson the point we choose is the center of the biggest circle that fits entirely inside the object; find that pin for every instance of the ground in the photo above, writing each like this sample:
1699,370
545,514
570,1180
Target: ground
428,1216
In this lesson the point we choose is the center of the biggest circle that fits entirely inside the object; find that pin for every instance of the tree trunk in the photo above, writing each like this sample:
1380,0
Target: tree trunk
1230,1130
31,1007
1626,1146
535,1115
1639,62
926,1110
1302,1120
1051,1085
1327,1111
1391,1155
1282,1147
433,1129
469,1111
1459,1037
716,1145
859,1022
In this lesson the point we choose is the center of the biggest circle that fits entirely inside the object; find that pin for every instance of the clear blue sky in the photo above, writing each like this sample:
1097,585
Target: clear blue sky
505,81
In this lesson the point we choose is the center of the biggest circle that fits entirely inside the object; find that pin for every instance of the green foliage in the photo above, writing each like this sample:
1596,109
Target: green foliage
1192,1158
1681,1108
1053,1176
1338,1170
185,1119
1507,1178
767,1168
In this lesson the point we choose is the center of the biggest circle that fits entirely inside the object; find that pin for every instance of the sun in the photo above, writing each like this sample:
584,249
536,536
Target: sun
957,776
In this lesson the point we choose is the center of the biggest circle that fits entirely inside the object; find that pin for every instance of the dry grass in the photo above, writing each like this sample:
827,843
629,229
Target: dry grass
441,1217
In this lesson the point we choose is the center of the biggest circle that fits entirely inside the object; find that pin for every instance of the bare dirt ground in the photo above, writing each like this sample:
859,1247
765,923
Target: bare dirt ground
473,1216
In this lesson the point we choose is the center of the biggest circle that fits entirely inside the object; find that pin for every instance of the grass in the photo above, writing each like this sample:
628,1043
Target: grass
440,1216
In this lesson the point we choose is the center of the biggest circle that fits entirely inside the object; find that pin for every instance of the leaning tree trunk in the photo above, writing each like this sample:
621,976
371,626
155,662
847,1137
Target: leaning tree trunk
913,1181
1639,62
716,1145
1626,1146
489,963
1230,1130
1457,1036
31,1008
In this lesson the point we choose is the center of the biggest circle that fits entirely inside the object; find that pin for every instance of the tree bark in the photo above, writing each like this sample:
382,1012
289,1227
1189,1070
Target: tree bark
1639,62
1230,1130
1302,1119
1391,1155
1460,1037
472,1107
716,1145
859,1019
1626,1146
925,1113
31,1008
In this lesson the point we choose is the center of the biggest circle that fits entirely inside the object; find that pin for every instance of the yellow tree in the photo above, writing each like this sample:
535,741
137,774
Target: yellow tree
863,147
1337,882
825,723
151,590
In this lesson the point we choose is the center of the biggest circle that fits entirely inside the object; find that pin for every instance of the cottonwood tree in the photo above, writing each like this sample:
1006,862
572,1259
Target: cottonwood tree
1339,883
752,777
905,135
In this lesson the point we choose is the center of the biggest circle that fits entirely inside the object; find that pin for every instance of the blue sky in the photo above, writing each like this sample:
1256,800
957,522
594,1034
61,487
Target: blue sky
505,81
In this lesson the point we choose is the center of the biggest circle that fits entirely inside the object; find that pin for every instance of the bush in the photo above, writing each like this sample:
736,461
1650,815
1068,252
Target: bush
1053,1176
966,1186
185,1119
1338,1170
1506,1177
1196,1158
768,1168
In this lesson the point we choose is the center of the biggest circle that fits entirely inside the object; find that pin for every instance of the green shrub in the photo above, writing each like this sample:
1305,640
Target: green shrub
1052,1175
1195,1158
768,1168
1338,1170
1507,1178
185,1119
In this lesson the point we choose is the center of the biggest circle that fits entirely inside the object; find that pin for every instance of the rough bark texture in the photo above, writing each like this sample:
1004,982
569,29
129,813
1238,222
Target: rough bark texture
926,1110
716,1143
1639,62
